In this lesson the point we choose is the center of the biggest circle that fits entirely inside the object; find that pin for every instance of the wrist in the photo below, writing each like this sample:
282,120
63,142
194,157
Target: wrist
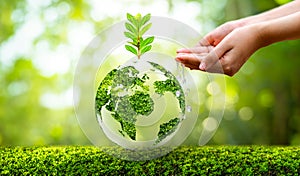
242,22
262,34
236,24
254,19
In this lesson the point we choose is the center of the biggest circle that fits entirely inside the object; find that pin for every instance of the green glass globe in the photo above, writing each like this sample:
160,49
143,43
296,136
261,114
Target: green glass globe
140,103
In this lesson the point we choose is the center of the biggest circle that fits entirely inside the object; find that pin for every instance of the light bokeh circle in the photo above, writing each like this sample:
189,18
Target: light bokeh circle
96,58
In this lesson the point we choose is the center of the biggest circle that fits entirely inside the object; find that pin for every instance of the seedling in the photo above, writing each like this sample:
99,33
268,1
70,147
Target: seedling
136,27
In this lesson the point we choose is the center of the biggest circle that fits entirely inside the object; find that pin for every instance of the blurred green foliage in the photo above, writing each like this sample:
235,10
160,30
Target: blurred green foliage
26,117
263,99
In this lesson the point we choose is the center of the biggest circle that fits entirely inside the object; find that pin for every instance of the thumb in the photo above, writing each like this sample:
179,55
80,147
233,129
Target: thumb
211,63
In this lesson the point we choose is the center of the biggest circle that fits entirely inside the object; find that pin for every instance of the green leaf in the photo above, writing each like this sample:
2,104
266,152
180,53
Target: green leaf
147,41
132,19
145,49
133,43
130,35
138,17
146,18
130,28
145,28
131,49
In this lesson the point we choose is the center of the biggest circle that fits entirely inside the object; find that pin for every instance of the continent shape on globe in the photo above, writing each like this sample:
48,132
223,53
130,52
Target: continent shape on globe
140,101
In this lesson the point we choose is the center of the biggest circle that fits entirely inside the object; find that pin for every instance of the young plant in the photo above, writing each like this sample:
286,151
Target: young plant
136,27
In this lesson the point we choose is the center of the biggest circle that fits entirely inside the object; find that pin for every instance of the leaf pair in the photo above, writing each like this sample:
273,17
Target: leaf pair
136,27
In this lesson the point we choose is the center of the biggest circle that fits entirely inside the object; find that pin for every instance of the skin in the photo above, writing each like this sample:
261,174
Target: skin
228,47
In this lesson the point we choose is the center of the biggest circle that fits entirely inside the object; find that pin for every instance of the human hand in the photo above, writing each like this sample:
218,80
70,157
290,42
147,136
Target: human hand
229,55
214,37
192,57
230,45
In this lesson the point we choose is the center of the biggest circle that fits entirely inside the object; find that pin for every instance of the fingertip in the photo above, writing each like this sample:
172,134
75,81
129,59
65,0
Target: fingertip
181,50
202,66
180,55
177,59
184,50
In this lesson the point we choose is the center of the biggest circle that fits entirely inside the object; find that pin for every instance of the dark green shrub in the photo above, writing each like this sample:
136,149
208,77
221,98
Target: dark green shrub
208,160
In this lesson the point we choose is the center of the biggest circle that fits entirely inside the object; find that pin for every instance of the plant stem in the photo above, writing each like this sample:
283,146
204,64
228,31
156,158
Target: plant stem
139,44
139,48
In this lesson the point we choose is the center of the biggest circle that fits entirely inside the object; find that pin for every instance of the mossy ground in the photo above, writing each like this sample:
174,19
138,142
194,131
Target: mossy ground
208,160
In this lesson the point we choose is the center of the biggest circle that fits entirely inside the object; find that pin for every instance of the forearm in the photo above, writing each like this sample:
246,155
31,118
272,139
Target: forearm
278,12
284,28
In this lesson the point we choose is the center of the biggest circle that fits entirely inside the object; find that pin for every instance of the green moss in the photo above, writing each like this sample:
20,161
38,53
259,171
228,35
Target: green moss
167,128
103,96
127,127
208,160
124,109
125,76
138,82
142,103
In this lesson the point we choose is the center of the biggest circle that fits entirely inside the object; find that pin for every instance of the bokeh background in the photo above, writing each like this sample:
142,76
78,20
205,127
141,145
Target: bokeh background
41,42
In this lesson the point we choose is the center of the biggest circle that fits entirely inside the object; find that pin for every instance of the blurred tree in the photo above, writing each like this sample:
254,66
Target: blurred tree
262,99
7,25
25,120
26,114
